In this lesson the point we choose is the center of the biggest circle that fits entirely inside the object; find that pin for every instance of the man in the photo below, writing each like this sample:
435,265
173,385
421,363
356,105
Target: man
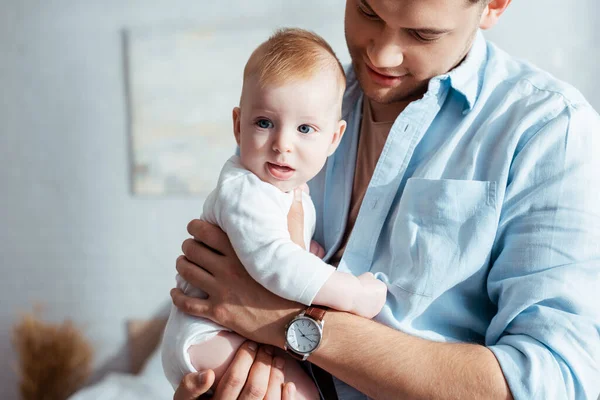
466,183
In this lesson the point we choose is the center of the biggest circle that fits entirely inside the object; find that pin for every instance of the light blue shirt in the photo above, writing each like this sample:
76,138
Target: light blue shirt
483,218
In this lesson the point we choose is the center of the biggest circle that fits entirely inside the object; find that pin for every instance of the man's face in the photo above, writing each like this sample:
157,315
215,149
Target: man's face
397,46
286,132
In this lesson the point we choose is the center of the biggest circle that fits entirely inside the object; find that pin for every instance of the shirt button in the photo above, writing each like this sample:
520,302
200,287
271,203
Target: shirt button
374,203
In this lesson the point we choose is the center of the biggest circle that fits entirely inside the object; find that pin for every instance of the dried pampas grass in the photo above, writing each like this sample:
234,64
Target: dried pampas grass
55,360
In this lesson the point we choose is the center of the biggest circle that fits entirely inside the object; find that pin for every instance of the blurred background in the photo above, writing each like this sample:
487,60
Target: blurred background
73,234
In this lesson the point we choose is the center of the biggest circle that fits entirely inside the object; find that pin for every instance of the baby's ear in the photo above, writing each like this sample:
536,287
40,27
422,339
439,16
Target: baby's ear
337,137
236,114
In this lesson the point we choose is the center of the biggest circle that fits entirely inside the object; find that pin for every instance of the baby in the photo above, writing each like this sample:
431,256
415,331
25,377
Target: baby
287,124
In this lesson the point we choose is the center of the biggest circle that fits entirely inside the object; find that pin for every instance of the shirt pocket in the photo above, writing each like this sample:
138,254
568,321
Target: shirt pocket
441,233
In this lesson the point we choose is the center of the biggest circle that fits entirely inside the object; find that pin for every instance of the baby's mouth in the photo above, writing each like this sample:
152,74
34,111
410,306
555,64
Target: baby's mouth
280,172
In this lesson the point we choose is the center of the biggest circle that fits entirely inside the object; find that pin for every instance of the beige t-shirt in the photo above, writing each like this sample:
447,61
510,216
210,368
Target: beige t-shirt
371,140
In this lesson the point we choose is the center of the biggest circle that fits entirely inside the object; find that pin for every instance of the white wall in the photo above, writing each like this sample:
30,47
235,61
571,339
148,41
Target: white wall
559,36
71,235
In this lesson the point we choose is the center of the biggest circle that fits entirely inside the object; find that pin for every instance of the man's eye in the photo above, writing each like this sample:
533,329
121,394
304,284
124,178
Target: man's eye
367,12
424,38
264,123
306,129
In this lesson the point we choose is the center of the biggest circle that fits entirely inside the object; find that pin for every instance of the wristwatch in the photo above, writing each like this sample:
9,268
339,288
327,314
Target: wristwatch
304,333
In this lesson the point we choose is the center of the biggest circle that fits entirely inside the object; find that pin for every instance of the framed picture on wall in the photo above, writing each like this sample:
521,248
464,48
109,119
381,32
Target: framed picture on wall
183,83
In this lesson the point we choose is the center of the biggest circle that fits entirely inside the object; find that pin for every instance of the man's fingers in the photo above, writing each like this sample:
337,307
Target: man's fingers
276,380
190,305
211,235
196,276
232,382
289,391
201,255
295,219
193,385
258,378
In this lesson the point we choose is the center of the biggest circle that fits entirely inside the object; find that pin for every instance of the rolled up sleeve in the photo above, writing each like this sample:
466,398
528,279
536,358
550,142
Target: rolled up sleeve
545,276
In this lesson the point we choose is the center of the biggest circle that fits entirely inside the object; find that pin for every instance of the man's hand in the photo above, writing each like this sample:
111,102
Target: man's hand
235,300
251,375
194,385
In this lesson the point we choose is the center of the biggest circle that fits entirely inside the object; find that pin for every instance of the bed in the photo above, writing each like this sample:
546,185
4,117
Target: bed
146,380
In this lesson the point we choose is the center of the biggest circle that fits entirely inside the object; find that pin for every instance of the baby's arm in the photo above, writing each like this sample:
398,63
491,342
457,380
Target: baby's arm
363,295
256,224
370,292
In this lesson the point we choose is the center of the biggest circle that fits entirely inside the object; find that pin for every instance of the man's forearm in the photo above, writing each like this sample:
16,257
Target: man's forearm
387,364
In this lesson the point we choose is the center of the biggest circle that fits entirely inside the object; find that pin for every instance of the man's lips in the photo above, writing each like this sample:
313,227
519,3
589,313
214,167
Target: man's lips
383,79
281,172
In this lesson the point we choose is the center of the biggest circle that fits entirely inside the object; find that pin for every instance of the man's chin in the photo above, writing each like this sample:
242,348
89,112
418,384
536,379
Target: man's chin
381,96
390,95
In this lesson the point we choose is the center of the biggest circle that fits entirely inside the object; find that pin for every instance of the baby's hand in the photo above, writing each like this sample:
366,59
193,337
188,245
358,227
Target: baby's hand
372,299
317,249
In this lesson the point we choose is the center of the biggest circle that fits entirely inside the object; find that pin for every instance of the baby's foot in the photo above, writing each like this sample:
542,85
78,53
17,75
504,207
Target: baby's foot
372,299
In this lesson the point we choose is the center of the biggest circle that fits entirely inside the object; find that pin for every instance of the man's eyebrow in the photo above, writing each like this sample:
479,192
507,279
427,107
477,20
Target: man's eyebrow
431,31
426,31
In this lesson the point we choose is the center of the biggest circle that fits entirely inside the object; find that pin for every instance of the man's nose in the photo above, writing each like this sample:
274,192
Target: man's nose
386,51
282,142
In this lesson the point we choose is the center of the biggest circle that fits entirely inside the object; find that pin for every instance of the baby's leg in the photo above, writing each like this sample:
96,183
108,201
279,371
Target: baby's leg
215,353
218,352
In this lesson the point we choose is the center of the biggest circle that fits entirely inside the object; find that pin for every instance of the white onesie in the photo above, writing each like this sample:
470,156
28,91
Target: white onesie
253,213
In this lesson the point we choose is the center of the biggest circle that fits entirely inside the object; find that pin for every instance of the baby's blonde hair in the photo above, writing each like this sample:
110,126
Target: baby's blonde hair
292,54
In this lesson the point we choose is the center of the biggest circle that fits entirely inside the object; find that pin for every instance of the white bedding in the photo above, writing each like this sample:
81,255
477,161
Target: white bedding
149,384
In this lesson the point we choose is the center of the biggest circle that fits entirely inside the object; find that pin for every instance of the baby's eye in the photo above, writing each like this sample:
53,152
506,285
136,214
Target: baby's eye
306,129
264,123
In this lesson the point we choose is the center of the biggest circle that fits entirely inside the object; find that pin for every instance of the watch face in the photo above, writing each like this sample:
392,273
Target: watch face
303,335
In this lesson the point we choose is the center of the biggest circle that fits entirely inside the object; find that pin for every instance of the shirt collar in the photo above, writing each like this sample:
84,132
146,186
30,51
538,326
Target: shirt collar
467,78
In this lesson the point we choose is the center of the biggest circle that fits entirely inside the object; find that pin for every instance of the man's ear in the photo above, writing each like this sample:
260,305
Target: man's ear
337,137
492,12
236,114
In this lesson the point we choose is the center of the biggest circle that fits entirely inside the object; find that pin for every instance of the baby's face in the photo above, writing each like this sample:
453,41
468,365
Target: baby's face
286,132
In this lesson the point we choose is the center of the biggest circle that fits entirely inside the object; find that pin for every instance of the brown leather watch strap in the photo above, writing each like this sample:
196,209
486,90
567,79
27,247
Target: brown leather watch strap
316,312
295,355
